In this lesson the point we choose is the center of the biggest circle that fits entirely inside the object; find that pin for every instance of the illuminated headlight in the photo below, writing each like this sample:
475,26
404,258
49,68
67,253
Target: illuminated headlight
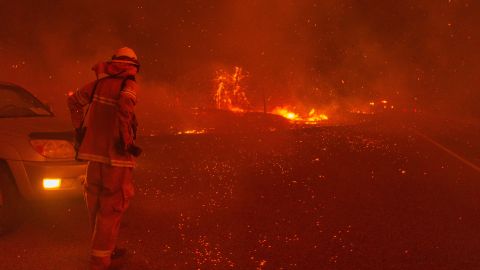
54,148
51,183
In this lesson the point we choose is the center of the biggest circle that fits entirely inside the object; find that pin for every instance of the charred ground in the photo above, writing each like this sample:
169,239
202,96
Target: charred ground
373,195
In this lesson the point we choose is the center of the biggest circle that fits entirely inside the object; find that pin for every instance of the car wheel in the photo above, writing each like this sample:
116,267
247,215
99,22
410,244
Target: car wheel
10,201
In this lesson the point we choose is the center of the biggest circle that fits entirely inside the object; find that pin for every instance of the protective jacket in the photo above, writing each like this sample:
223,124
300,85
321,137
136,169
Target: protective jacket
109,118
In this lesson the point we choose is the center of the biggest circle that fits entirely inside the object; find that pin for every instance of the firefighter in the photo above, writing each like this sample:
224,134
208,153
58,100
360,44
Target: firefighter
105,134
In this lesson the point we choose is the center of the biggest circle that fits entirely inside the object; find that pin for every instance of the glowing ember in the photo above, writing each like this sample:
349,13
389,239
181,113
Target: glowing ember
312,118
315,117
230,94
192,131
285,113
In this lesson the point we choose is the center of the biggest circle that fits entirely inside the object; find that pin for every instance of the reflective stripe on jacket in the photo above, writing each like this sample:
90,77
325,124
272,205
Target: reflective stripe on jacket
109,119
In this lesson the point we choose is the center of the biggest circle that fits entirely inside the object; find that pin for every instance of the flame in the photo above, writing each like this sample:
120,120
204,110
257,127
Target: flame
312,118
229,94
192,131
282,111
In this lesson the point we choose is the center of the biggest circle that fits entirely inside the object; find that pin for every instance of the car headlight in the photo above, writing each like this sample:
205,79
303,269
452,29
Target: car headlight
52,183
54,148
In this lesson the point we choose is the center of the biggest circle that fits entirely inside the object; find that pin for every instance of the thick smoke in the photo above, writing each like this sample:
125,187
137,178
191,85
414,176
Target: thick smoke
306,52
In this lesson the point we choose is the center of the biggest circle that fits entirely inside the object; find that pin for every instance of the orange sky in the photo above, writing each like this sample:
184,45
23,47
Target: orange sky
310,51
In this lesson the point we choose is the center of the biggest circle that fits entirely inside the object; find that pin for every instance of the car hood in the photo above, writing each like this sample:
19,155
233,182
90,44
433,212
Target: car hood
26,125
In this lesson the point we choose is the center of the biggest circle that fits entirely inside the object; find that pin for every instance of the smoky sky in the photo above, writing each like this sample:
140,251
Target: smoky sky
306,51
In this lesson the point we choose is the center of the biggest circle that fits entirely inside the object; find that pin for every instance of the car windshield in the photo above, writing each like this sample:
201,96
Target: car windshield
17,102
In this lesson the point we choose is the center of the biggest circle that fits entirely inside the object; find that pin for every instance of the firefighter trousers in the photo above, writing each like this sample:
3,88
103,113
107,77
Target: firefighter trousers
107,192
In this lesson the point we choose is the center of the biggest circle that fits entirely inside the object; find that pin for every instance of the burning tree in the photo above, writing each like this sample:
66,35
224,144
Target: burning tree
230,94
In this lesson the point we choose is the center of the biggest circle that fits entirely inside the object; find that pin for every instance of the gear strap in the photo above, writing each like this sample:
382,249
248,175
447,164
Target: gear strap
134,124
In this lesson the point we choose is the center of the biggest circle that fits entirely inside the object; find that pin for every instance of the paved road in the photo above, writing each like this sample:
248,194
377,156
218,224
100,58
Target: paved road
370,196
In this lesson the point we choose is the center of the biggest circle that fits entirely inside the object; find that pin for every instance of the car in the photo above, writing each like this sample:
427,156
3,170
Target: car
37,157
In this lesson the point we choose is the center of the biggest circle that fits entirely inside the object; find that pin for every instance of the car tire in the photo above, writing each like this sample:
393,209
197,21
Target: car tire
10,201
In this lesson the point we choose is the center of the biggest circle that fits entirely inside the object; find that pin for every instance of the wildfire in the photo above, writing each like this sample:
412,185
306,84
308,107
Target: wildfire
312,118
230,94
192,131
285,113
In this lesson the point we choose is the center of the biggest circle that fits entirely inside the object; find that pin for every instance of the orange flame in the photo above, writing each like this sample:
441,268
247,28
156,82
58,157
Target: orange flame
192,131
312,118
229,94
282,111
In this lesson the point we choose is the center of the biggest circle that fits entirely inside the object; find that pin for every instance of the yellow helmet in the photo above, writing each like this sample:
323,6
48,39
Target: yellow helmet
125,55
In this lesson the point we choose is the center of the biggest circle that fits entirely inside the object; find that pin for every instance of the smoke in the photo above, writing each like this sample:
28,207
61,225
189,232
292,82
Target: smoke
308,52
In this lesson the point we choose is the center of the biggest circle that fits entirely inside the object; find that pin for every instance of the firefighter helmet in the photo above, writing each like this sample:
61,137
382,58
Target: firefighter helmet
125,55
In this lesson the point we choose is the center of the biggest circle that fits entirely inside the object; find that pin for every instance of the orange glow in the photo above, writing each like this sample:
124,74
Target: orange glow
229,94
192,131
282,111
236,109
315,117
312,118
52,183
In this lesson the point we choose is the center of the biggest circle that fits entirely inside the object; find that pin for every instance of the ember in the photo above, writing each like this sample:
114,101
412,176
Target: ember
192,131
283,111
229,94
312,118
334,134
